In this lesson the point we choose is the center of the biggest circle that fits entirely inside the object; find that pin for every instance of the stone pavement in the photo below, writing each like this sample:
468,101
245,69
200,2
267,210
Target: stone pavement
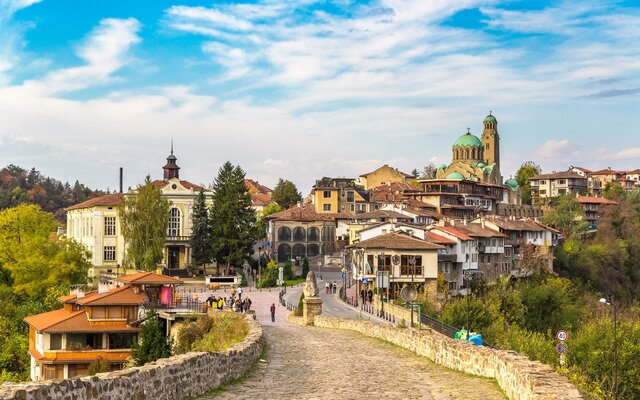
316,363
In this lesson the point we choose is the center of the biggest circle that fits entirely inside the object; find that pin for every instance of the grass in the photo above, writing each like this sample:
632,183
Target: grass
212,333
292,282
244,377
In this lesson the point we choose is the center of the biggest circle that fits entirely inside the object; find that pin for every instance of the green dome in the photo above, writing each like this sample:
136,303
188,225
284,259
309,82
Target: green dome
481,165
468,140
512,183
442,166
455,175
490,118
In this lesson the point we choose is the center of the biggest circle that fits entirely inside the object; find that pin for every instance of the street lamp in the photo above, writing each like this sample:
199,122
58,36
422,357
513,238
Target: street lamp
344,282
412,262
615,343
259,266
467,275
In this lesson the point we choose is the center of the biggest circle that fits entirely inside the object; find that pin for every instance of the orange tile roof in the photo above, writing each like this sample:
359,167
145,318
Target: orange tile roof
108,200
452,231
256,188
592,199
186,184
70,298
260,199
63,321
432,237
306,213
118,296
149,278
396,240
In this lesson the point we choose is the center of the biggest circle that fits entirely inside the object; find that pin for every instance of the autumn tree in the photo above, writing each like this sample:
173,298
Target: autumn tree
613,191
31,260
144,218
428,172
526,171
232,219
567,215
286,194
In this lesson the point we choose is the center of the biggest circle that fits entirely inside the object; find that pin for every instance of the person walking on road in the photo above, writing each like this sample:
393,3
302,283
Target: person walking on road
326,287
273,312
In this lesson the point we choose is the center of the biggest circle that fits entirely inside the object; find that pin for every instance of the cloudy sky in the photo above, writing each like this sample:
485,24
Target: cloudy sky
304,89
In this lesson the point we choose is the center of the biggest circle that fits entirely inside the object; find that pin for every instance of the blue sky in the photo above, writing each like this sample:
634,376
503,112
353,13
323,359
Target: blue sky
309,88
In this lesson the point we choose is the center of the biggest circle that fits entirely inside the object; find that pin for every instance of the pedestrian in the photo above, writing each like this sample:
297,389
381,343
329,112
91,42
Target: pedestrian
363,294
273,312
333,286
220,303
242,304
326,287
210,301
370,295
248,303
240,293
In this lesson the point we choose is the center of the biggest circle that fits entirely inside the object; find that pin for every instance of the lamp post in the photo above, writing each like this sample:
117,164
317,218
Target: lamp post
467,278
412,262
259,265
612,303
344,282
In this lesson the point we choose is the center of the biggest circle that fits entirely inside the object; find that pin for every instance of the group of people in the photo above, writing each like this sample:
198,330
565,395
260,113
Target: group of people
366,294
330,287
235,303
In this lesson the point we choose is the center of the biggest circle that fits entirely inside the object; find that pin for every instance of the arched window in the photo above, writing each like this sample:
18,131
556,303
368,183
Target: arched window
313,234
174,222
299,251
284,234
313,250
467,154
326,234
298,234
284,252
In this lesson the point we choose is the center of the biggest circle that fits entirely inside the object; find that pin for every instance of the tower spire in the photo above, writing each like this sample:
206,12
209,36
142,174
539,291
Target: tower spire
171,169
172,146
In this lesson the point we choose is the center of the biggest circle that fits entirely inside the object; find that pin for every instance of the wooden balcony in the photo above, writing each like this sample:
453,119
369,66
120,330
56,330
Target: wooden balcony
64,356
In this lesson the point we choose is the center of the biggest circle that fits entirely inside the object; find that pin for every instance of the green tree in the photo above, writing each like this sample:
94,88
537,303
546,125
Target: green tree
614,191
287,270
567,215
305,267
270,274
526,171
551,304
286,194
30,260
154,345
144,218
233,221
200,240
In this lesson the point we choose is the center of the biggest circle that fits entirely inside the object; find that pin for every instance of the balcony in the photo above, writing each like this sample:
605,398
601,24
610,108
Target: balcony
448,257
86,355
178,239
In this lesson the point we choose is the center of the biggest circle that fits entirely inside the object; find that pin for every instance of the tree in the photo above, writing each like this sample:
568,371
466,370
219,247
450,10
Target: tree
286,194
232,220
154,344
30,260
200,240
287,270
613,191
567,215
144,219
305,267
534,261
526,171
428,172
269,209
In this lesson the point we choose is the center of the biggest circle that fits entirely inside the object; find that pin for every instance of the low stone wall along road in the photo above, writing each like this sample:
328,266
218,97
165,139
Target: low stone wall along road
317,363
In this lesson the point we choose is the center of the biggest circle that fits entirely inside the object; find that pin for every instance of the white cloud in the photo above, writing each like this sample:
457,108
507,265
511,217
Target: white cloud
554,149
632,152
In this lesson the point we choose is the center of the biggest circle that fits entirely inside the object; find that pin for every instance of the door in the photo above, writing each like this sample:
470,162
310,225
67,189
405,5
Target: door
174,257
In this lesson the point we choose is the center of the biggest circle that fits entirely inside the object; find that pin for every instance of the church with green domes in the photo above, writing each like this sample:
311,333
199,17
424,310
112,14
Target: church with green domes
475,159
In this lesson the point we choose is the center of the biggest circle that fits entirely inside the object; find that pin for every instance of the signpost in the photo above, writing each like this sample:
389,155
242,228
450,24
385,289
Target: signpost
562,337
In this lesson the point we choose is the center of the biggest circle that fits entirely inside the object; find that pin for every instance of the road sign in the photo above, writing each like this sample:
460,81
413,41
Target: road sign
562,335
561,347
365,281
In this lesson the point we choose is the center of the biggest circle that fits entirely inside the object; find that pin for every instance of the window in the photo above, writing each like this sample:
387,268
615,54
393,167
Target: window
55,341
109,253
543,191
326,194
384,263
109,226
326,207
563,181
350,197
407,269
474,257
562,191
353,207
174,222
121,340
342,206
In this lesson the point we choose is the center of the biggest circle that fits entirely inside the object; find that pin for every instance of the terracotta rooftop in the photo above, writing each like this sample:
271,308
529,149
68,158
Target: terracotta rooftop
306,214
432,237
559,175
513,224
256,188
149,278
260,199
606,171
188,185
71,298
396,241
588,171
476,230
108,200
382,214
596,200
63,321
117,296
452,231
396,187
386,165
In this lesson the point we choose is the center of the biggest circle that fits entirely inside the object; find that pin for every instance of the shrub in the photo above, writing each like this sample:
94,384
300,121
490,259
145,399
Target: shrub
154,344
98,366
227,328
300,304
305,267
188,335
287,270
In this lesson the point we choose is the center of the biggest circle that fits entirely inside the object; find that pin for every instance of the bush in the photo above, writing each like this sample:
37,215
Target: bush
287,270
99,366
305,268
227,328
188,335
154,344
300,304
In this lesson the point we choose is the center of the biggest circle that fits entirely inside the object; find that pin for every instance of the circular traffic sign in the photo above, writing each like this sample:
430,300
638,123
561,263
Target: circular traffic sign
562,335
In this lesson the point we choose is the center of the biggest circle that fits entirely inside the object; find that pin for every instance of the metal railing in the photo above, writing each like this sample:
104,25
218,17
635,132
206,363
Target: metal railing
285,303
183,306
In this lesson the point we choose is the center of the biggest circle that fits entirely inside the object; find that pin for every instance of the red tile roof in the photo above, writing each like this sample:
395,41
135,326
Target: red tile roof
596,200
606,171
63,321
186,184
452,231
118,296
397,241
512,224
382,214
149,278
476,230
386,165
559,175
432,237
306,213
108,200
260,199
256,188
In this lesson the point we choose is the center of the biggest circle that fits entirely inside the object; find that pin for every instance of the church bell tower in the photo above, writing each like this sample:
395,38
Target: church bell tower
491,144
171,169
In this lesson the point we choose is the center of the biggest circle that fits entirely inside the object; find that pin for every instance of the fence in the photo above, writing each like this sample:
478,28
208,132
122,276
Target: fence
285,303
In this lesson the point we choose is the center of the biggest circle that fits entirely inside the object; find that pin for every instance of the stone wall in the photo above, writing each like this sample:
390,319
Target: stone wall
177,377
519,377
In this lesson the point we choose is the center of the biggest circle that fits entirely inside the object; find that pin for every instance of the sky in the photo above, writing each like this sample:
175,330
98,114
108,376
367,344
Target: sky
305,89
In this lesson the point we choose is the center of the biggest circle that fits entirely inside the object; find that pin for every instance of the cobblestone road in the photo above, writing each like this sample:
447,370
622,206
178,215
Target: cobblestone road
315,363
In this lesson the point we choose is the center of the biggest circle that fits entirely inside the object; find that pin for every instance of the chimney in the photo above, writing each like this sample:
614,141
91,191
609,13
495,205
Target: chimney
78,290
121,171
453,222
482,222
